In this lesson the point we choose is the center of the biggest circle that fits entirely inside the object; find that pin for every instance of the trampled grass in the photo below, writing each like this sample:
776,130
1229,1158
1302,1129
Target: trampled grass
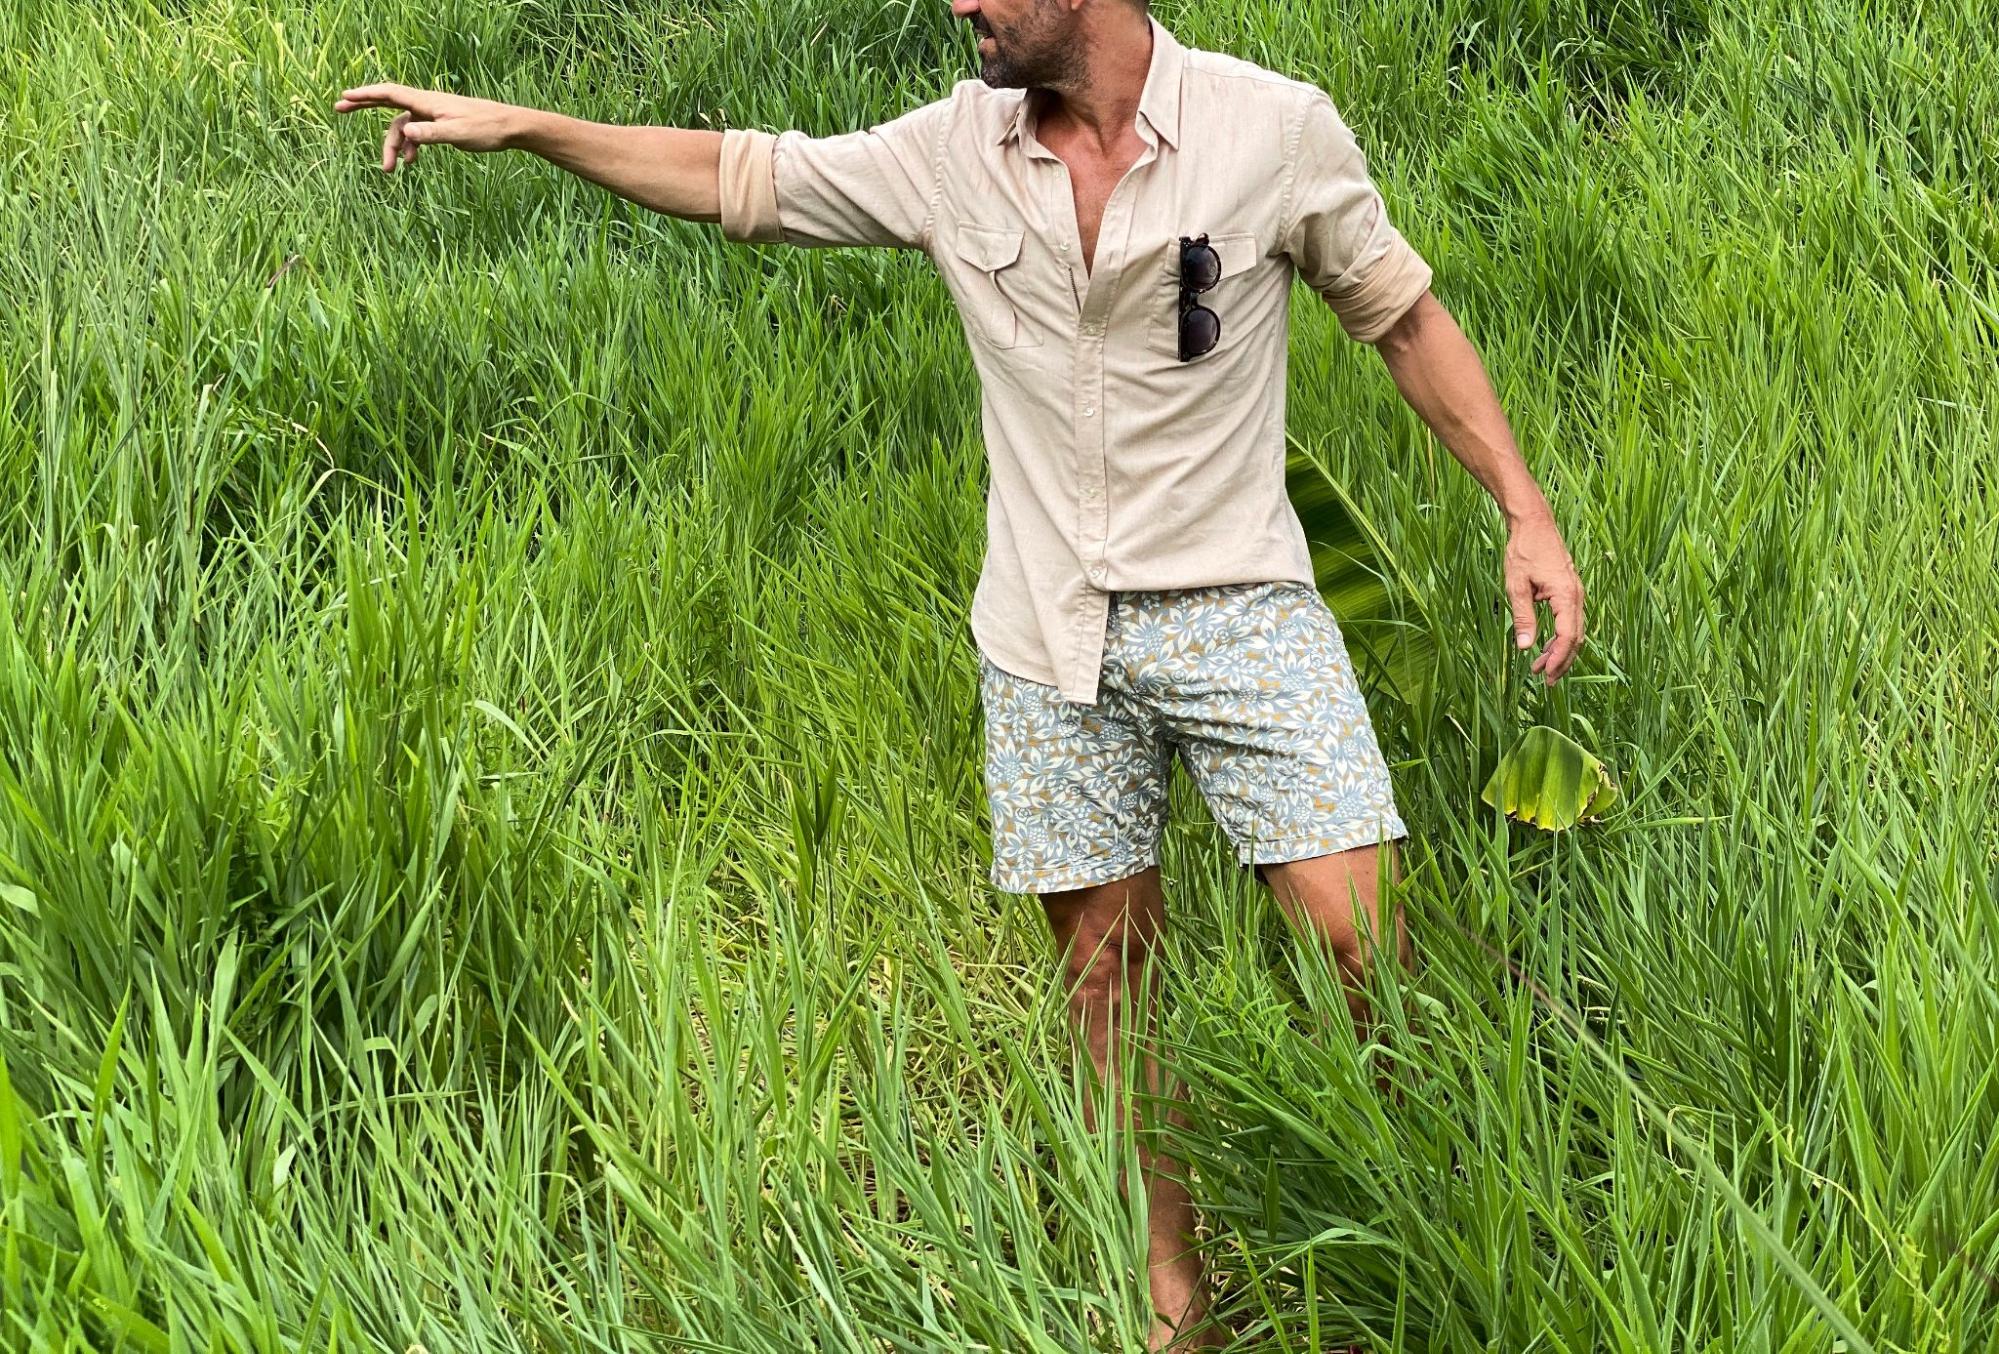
491,839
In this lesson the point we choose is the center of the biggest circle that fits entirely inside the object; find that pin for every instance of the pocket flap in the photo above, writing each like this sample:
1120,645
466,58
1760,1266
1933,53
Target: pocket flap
1236,252
989,247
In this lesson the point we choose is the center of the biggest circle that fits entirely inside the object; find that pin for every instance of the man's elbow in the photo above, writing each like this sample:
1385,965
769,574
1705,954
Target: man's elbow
1408,332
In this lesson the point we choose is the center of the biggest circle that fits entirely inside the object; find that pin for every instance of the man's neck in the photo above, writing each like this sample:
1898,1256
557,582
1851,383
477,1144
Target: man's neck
1102,105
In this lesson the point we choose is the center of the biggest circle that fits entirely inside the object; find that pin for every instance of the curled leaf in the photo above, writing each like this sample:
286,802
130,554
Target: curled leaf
1550,780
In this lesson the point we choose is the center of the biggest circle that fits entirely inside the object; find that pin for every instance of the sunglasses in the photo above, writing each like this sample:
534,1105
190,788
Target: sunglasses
1200,269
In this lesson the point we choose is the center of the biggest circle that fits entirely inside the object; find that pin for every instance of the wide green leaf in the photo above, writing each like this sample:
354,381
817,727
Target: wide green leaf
1550,780
1367,591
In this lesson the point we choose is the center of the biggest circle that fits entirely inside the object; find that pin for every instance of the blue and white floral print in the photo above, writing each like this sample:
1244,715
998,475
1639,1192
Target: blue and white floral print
1249,683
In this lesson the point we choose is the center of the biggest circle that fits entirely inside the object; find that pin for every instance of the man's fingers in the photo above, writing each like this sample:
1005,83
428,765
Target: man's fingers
380,96
1561,651
1522,598
392,141
367,96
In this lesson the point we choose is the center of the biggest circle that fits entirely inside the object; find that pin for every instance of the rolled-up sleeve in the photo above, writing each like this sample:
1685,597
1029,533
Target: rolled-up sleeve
872,187
1337,232
749,195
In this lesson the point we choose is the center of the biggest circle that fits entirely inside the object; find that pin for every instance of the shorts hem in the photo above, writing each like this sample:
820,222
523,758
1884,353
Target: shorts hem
1303,846
1071,874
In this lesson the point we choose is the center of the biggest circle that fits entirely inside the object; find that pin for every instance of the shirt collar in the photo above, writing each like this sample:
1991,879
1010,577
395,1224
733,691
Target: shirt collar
1158,101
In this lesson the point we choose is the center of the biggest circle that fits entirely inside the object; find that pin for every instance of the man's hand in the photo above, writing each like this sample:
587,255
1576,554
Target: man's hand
1538,569
429,116
675,170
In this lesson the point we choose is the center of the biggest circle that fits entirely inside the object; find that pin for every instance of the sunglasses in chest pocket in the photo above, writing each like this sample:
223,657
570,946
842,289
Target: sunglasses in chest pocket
1200,270
1200,263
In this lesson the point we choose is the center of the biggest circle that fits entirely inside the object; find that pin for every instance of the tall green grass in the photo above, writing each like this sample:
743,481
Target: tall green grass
491,837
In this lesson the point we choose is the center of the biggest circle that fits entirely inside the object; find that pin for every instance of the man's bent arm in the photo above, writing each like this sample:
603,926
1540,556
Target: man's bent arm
1440,376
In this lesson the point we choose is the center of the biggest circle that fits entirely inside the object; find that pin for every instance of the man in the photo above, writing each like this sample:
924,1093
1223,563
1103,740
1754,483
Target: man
1119,218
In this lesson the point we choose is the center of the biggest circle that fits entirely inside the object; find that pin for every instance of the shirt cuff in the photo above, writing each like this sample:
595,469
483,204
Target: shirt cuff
1370,308
749,187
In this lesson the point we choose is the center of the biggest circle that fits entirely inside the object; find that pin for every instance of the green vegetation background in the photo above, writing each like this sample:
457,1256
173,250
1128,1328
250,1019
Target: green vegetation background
492,844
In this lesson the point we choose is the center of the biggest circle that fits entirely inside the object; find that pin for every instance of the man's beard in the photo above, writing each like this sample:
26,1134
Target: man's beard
1035,52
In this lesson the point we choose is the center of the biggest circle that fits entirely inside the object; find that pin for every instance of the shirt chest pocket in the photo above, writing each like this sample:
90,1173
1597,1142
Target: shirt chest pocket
1237,252
992,289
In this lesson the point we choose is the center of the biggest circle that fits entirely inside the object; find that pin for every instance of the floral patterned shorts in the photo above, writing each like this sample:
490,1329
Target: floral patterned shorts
1249,682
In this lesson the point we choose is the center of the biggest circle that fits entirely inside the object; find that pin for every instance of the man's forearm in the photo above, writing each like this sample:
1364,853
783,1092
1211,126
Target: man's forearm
675,170
1439,373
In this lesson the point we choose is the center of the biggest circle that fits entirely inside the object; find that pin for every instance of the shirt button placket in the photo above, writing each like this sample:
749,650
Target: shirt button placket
1092,443
1090,438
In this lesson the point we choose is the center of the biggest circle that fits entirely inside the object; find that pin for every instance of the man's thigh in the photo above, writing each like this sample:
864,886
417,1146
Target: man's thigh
1271,725
1333,889
1077,793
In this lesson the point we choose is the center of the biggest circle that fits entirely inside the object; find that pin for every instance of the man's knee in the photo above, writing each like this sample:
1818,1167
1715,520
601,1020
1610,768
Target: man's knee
1106,932
1104,964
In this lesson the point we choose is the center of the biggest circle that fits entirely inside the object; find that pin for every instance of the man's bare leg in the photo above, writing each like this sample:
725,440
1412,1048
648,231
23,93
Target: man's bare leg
1106,934
1329,894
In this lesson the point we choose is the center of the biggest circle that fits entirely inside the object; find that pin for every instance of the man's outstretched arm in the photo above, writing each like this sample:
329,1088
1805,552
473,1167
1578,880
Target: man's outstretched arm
876,186
668,169
1439,373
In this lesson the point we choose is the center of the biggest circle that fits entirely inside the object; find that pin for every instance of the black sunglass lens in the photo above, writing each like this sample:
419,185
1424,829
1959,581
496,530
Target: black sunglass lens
1200,268
1199,328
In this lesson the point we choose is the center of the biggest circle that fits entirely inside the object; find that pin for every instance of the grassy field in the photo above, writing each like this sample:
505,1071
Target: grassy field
492,846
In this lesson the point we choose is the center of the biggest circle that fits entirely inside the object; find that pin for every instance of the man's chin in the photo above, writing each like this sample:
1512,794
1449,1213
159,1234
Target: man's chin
1000,75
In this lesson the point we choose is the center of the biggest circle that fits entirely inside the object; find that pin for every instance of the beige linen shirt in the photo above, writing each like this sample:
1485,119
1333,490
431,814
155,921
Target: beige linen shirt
1114,465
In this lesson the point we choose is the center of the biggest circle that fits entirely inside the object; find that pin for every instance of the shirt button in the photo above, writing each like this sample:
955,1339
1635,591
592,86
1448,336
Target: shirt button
1089,410
1096,571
